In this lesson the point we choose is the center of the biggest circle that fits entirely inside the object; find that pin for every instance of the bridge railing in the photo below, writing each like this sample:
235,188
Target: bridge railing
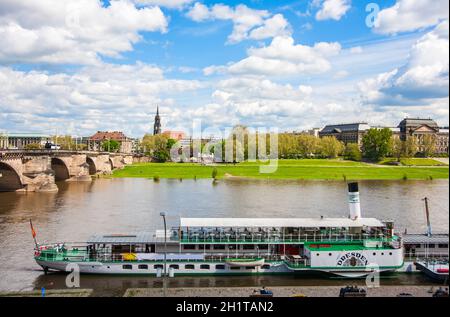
49,152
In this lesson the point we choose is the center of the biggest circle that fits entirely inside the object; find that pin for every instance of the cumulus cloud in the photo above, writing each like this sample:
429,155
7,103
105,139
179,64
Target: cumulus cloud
251,98
333,9
410,15
283,58
423,78
171,4
106,96
72,31
247,23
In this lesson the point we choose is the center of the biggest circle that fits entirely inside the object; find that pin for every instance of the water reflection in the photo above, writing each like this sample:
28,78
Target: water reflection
126,205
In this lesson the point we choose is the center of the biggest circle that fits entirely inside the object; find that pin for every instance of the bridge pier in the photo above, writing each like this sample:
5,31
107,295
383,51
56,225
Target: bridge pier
33,175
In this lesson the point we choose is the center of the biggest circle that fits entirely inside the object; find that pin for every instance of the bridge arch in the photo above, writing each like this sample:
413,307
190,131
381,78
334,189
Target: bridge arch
92,167
9,178
60,168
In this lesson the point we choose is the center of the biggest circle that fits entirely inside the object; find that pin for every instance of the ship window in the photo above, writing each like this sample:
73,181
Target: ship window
390,253
189,266
432,246
174,266
158,266
248,247
220,267
330,254
263,246
206,246
204,266
235,267
317,254
219,247
143,267
127,267
189,246
382,253
249,267
266,266
374,253
443,246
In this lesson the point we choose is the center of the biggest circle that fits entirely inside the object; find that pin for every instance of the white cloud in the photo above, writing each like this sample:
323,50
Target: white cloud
283,58
423,78
247,23
106,96
275,26
171,4
72,31
356,50
333,9
410,15
199,12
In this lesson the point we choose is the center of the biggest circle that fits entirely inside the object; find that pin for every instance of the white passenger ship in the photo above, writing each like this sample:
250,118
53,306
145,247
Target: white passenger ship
348,247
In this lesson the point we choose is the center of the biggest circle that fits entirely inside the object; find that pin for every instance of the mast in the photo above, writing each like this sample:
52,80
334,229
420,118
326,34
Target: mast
427,213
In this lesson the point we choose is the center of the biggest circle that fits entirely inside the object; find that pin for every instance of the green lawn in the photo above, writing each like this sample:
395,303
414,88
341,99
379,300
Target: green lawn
287,169
414,162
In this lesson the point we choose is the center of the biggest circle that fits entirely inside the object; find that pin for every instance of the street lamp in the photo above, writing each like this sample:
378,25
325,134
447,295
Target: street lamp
163,215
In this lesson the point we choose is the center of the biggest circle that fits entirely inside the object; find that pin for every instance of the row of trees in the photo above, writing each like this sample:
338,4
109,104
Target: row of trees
376,144
157,146
380,143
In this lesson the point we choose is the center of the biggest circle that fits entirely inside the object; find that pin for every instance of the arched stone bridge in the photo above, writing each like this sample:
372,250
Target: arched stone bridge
37,171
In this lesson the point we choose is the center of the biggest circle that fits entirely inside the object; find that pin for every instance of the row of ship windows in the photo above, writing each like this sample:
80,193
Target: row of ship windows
190,267
330,254
430,246
223,247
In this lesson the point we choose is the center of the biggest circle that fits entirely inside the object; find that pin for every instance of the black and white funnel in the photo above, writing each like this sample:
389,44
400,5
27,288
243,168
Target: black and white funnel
353,201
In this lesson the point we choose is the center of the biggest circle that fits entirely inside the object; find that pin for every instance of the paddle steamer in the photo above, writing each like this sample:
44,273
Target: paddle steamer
350,247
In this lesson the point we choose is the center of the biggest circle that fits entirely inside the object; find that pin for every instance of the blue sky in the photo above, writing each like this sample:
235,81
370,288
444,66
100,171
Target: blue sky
80,66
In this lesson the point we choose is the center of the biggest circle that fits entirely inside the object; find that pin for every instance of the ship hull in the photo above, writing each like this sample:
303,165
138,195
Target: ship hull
210,268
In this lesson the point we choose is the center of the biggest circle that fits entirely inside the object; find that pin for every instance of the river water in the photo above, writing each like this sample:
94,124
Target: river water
131,205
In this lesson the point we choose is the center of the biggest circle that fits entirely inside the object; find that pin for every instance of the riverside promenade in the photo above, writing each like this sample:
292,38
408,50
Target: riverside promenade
290,291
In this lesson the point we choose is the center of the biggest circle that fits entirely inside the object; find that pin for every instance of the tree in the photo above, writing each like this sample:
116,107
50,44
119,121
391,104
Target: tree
428,145
33,146
110,146
398,148
352,152
330,147
376,143
410,147
158,146
307,145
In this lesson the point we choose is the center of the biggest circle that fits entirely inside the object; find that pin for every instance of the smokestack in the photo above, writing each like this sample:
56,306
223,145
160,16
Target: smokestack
353,201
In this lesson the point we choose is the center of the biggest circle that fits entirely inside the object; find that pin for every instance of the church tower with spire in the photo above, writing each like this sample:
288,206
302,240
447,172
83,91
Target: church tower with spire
157,125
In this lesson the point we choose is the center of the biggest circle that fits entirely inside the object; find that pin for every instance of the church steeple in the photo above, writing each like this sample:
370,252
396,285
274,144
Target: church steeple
157,125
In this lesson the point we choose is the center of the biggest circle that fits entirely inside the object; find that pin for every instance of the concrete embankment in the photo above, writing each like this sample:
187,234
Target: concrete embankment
50,293
309,291
278,291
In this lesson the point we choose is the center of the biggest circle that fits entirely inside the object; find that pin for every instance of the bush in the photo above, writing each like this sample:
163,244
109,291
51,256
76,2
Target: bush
352,152
214,173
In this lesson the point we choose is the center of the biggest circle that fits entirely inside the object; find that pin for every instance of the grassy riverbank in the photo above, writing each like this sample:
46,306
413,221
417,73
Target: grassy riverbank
287,169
